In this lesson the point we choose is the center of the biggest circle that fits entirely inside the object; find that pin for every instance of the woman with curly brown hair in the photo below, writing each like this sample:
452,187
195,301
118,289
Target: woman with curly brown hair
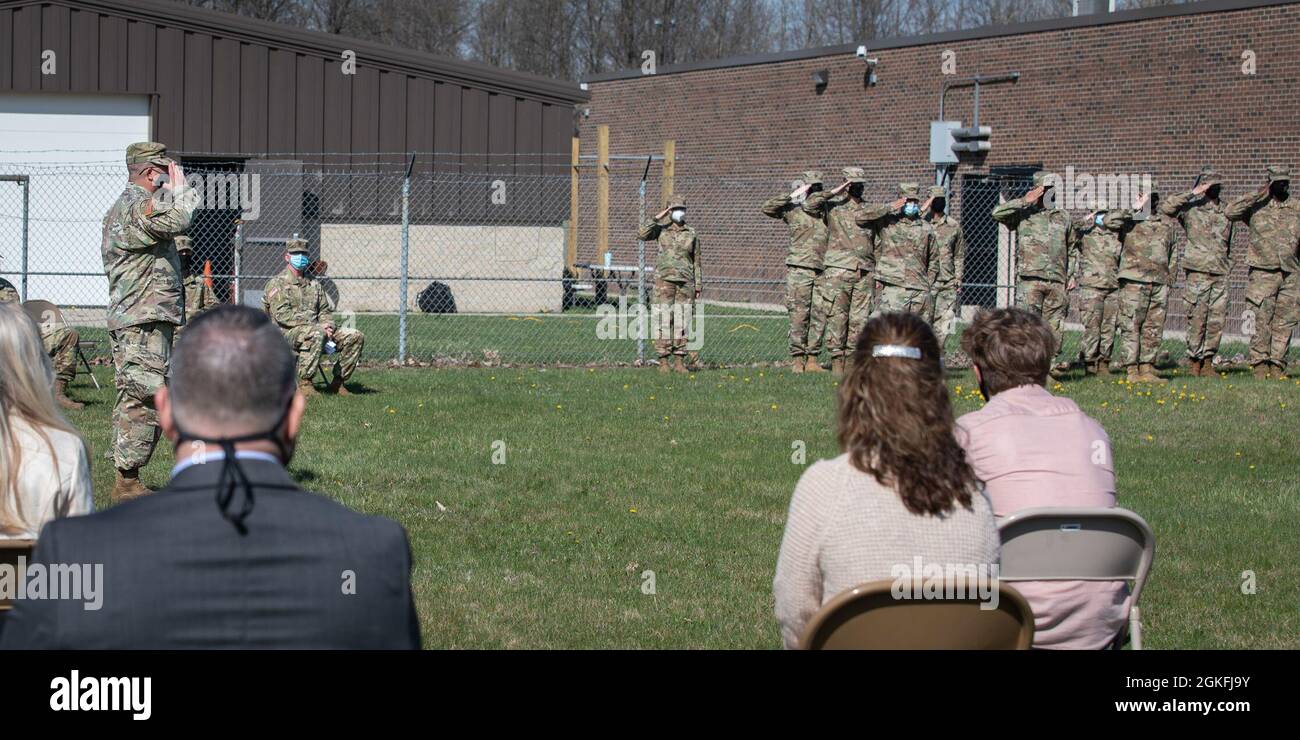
901,490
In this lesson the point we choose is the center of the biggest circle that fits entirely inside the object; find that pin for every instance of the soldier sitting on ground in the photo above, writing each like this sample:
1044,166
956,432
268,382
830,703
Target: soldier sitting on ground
60,342
297,303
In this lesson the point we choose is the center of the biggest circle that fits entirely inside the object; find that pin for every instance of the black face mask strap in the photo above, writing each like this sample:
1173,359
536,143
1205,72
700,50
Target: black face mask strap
232,474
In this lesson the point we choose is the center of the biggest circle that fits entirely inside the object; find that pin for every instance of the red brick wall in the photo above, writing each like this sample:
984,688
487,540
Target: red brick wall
1161,95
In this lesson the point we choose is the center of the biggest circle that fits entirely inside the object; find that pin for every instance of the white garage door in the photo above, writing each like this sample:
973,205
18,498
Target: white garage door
72,147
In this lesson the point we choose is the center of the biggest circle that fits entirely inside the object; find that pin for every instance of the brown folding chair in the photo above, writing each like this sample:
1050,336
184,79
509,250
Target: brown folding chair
869,617
44,312
10,552
1080,544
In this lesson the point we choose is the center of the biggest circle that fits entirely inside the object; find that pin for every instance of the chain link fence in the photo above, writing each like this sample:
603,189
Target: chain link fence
442,262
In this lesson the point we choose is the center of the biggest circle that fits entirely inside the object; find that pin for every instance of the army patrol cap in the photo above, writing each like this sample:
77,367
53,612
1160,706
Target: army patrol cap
855,174
1210,177
1279,174
183,244
812,177
909,190
147,152
676,201
1040,178
937,191
296,246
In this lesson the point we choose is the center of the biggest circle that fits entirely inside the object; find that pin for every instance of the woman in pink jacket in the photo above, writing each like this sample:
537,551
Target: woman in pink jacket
1034,449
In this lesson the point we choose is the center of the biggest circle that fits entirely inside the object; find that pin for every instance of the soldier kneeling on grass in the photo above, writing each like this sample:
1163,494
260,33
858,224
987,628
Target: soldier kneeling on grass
298,304
677,280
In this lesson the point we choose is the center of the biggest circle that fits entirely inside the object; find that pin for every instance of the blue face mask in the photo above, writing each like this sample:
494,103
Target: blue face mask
299,261
911,209
1098,219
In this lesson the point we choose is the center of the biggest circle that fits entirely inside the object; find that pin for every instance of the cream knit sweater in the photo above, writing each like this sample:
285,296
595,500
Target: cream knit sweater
845,529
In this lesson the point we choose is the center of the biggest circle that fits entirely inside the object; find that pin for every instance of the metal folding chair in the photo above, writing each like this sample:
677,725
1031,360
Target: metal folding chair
1080,544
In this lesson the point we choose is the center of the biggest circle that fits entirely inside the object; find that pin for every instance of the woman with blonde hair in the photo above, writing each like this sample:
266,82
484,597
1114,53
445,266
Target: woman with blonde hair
901,490
44,469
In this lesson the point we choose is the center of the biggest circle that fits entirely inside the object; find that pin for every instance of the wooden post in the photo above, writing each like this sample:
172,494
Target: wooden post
670,168
571,253
602,191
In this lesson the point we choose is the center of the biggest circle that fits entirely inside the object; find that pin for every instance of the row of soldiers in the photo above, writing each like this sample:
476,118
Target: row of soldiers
849,260
153,292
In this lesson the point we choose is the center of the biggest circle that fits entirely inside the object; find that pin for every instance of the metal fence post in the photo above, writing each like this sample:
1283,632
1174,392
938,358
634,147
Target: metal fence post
640,273
403,282
27,186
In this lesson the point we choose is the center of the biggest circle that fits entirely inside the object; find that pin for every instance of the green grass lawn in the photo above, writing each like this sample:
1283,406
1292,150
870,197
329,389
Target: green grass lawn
610,473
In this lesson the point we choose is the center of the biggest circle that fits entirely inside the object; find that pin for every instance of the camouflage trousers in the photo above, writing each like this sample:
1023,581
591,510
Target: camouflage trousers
1207,304
897,299
861,304
834,296
800,289
943,313
1099,311
1141,321
308,344
1048,299
141,356
61,345
1274,297
673,303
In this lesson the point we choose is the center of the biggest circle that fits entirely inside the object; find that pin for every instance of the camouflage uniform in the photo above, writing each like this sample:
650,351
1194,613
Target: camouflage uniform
1043,236
907,260
299,305
198,296
1095,269
1147,266
951,248
849,257
1205,258
808,234
59,340
145,304
678,279
1273,291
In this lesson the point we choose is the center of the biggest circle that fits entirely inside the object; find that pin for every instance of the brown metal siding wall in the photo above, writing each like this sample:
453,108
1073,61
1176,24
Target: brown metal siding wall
226,96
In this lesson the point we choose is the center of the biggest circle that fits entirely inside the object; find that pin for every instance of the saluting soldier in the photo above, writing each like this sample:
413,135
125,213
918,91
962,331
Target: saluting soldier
145,300
1273,290
951,249
1095,269
907,261
296,301
804,212
1147,266
1043,237
678,280
849,255
1205,258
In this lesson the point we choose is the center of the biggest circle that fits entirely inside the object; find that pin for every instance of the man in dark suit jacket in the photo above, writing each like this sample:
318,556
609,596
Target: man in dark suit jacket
231,553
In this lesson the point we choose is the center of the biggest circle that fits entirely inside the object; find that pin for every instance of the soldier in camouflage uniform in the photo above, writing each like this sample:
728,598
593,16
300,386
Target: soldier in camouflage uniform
1095,268
1273,290
1147,266
145,302
804,213
1205,258
907,259
951,248
1043,237
296,301
849,255
60,342
198,296
678,280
